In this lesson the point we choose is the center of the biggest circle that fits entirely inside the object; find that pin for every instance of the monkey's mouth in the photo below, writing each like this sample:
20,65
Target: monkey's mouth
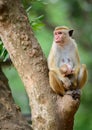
57,41
60,42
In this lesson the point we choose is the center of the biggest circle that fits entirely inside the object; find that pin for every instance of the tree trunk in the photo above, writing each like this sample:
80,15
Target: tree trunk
10,116
49,111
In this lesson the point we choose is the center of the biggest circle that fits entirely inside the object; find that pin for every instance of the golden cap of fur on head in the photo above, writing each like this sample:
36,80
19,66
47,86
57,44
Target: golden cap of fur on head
61,27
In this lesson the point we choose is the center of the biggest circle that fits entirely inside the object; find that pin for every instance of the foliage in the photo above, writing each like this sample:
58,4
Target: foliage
3,53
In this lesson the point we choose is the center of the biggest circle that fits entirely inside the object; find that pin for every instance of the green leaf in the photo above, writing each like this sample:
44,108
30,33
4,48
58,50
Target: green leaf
3,52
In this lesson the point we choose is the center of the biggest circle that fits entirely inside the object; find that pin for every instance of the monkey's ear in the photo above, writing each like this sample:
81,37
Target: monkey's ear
71,32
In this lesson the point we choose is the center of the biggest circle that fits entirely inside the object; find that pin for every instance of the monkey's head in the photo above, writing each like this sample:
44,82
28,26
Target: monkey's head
62,34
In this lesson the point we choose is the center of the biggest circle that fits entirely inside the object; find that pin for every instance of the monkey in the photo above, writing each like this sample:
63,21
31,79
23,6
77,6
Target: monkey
65,70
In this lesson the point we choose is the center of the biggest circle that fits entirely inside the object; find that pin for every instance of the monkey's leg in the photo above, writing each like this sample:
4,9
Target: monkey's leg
55,83
82,77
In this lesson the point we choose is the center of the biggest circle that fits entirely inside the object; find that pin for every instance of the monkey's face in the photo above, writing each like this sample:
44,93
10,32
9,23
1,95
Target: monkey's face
60,36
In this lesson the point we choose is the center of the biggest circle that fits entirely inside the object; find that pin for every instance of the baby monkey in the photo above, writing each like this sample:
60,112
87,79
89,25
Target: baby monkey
65,70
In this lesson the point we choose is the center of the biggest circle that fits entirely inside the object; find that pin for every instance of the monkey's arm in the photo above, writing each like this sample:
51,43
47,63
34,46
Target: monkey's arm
82,76
76,62
80,72
51,64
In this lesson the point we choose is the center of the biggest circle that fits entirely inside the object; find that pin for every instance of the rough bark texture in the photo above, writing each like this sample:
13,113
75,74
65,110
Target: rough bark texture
49,111
10,116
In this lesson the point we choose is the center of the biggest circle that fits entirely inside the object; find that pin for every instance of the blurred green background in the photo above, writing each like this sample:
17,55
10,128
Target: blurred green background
44,15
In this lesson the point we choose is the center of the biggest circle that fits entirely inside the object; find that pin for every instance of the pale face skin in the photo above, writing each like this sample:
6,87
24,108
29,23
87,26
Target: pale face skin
60,37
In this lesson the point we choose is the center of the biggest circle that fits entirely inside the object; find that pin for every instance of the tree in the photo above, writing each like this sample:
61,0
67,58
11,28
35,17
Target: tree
49,110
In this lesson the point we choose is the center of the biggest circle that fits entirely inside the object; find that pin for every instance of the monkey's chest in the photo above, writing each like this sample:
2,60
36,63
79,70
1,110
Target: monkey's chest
63,58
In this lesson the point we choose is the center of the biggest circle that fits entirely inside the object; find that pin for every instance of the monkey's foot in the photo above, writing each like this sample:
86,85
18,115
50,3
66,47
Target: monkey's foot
74,93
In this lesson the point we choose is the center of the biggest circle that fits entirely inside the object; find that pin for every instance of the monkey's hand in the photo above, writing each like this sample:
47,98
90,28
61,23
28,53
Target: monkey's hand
66,69
64,79
66,82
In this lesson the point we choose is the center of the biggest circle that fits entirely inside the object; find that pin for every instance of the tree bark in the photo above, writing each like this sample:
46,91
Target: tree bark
49,111
10,116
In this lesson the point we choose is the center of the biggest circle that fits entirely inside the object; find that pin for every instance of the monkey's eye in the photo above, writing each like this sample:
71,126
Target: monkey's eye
59,32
